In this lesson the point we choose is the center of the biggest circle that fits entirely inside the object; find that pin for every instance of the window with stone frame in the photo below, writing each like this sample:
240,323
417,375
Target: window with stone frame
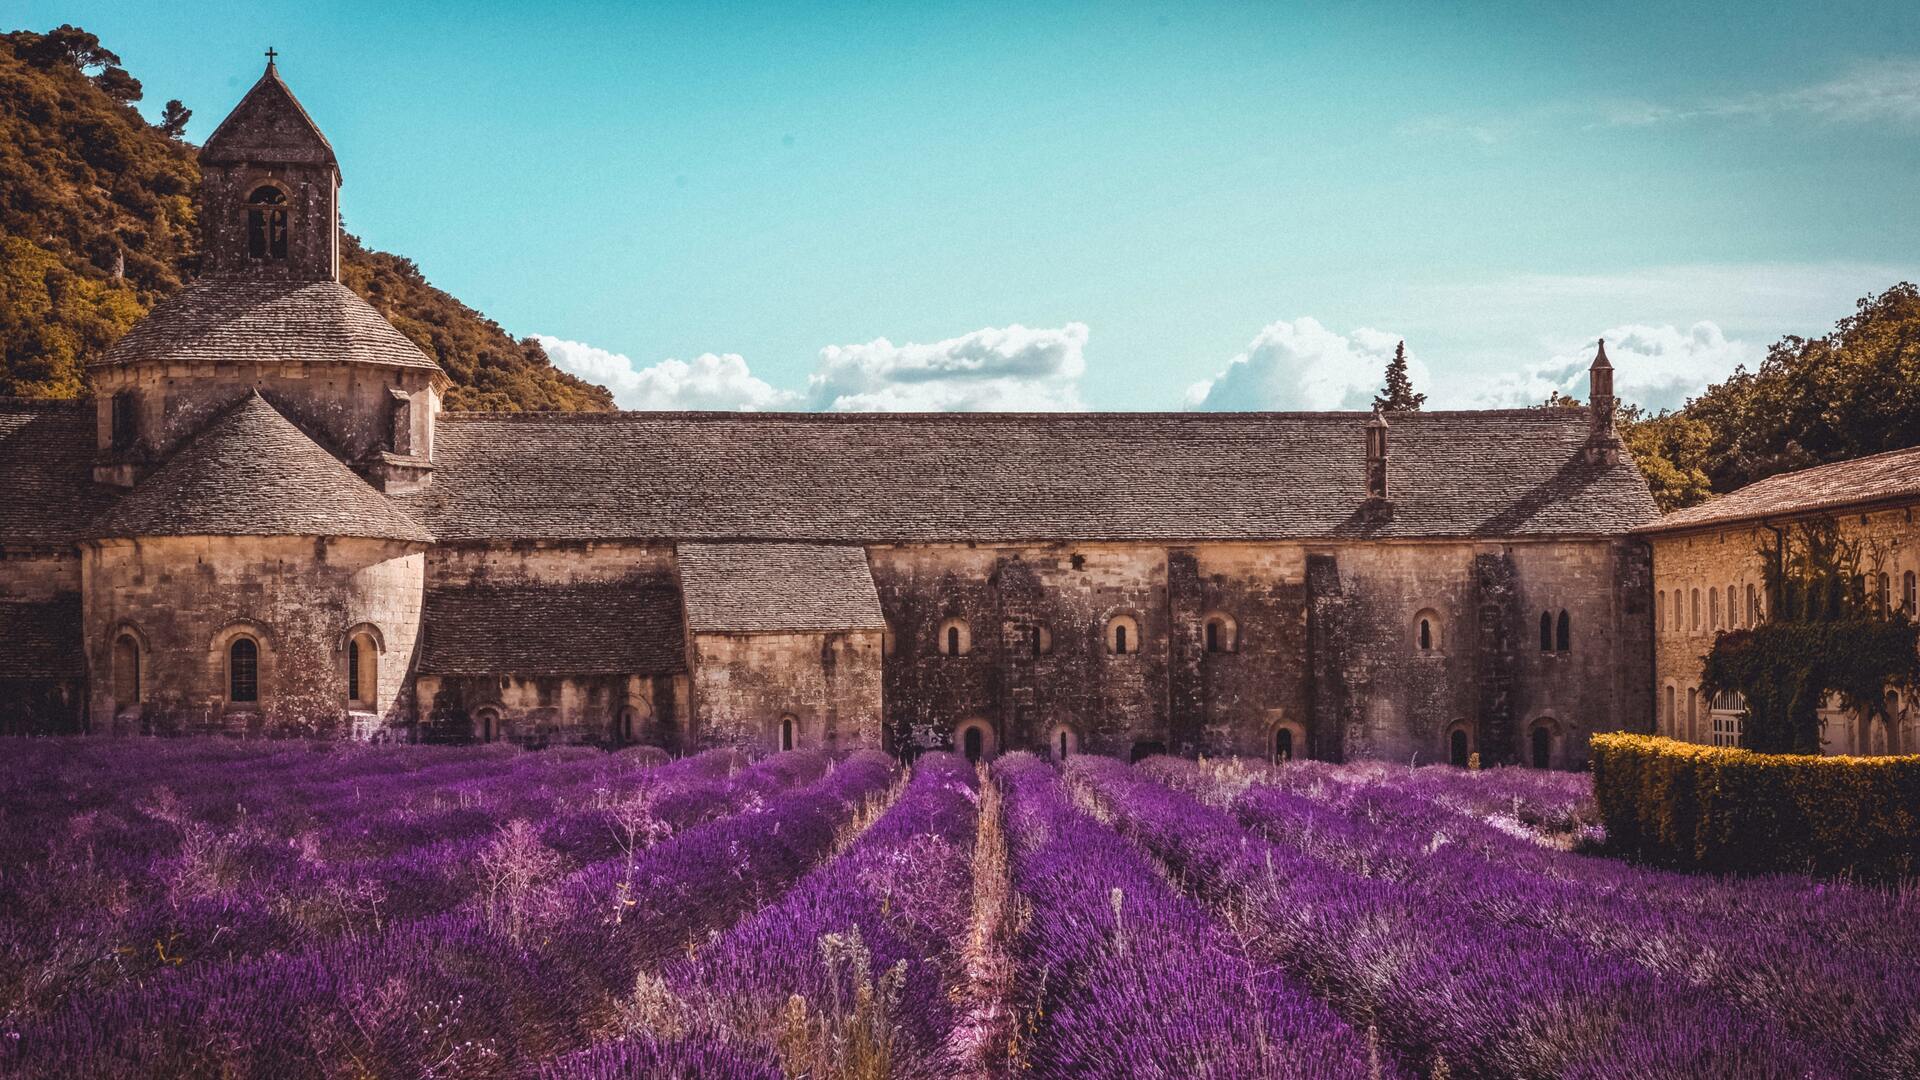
267,224
243,670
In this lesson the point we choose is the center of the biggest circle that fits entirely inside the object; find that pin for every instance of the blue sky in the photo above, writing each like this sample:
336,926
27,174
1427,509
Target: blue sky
1107,206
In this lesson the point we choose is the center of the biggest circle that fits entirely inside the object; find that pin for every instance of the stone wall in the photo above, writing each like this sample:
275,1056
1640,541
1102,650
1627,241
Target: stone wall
182,599
544,562
39,584
1708,562
828,684
348,407
1319,639
545,710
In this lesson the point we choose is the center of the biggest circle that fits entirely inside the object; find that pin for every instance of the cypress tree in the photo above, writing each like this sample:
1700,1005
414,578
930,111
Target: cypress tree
1398,396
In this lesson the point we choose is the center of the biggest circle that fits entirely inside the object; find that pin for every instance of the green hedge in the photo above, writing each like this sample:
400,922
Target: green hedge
1723,809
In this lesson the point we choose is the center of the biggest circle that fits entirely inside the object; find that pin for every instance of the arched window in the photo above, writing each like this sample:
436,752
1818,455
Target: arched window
1908,596
1880,594
1542,739
1753,606
1693,623
267,223
126,671
1459,747
243,670
1679,611
1713,606
1563,633
1064,743
629,720
974,740
1693,713
1222,635
486,724
1673,719
789,732
1123,635
1283,744
955,638
363,671
1426,631
1546,631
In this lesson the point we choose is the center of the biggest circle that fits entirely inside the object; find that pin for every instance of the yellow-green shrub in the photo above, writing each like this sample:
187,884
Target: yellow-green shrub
1720,808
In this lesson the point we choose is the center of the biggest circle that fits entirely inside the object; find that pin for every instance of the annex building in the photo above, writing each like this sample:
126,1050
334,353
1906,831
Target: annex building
264,523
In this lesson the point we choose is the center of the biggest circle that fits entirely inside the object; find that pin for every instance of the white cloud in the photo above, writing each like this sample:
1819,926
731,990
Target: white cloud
1012,367
1868,92
998,368
709,381
1303,365
1659,367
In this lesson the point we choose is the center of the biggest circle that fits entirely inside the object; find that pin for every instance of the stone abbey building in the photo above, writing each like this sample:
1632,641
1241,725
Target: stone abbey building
264,523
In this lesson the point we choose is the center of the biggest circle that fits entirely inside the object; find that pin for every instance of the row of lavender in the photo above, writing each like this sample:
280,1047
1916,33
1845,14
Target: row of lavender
1418,902
518,967
598,916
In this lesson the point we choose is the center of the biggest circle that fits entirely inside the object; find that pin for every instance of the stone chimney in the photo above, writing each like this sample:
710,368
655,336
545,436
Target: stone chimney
1603,442
1377,456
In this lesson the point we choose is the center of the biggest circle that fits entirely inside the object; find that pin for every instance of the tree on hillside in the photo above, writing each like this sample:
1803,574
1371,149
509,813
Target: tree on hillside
173,119
1398,395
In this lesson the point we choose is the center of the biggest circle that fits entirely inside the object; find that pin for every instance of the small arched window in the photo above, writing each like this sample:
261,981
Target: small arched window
126,671
1459,747
1546,631
486,724
789,734
243,670
1542,746
1753,606
1673,721
1881,591
1693,623
1283,744
363,670
1064,743
1563,633
1123,635
1660,609
974,740
1908,597
1713,606
955,638
1426,631
1693,713
1222,635
267,223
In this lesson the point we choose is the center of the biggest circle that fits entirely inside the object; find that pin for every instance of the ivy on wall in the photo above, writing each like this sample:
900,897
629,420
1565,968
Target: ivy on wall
1830,631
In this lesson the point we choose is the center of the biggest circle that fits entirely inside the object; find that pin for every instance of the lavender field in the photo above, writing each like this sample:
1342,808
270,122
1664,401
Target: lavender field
210,908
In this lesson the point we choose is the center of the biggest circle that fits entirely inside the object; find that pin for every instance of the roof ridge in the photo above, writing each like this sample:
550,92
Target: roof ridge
1568,416
15,401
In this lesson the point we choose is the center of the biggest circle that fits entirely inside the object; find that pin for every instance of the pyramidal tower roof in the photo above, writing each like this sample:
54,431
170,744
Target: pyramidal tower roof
252,473
269,125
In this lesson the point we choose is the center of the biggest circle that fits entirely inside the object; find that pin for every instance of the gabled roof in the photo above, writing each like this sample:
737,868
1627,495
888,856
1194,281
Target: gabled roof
1012,477
47,493
1879,478
629,627
771,588
252,473
269,125
235,320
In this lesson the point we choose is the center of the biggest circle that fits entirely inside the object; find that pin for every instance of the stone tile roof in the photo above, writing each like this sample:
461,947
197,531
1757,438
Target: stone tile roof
269,124
252,473
41,640
870,478
632,627
1881,477
769,588
233,319
47,493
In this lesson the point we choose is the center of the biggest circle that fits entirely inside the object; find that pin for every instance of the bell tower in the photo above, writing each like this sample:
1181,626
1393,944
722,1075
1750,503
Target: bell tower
271,189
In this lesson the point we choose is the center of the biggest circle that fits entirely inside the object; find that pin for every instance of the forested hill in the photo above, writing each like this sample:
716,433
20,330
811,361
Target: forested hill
1849,393
98,213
